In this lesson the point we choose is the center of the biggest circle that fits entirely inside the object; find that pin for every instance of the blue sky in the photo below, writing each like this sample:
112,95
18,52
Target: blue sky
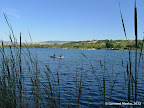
70,20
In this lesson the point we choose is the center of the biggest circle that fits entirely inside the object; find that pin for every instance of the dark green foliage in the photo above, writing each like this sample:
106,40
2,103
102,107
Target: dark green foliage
109,44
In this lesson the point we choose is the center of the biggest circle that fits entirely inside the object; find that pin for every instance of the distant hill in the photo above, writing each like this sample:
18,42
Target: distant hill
52,42
5,42
44,42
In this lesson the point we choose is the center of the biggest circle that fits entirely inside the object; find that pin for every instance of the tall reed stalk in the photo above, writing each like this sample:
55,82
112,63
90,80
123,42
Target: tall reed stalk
20,74
135,21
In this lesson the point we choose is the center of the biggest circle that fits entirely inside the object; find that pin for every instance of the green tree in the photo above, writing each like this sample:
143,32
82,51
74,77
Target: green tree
109,44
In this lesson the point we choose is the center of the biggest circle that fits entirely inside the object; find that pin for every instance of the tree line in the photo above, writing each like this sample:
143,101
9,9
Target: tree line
99,44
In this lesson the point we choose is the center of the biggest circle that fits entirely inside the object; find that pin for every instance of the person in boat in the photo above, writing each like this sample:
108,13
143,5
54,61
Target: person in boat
54,55
60,55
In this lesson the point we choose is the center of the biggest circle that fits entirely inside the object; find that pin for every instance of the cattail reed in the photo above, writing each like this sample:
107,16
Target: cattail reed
135,21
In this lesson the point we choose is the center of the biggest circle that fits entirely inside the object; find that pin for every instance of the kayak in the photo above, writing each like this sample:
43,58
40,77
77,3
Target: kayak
56,57
53,56
60,57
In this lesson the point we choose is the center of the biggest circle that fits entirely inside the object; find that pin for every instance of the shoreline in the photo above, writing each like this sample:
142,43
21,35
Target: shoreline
74,48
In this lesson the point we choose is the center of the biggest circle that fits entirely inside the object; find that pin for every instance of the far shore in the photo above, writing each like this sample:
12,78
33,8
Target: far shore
37,46
88,45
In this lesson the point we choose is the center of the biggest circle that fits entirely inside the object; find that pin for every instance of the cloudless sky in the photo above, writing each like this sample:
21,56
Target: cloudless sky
70,20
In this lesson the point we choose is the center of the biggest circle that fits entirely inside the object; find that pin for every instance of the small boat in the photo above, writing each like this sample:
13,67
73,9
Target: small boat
60,57
53,56
56,56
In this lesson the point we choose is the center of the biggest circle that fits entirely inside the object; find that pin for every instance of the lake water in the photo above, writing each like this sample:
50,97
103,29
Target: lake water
89,67
84,72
